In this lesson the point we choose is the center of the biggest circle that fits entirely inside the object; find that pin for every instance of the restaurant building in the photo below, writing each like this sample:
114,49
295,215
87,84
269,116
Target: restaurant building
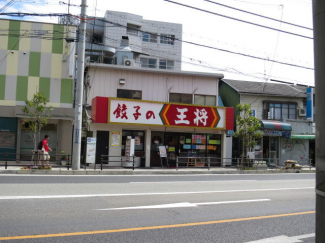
175,109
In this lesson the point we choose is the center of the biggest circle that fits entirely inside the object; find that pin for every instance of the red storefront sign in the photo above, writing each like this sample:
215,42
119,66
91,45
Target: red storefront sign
190,116
138,112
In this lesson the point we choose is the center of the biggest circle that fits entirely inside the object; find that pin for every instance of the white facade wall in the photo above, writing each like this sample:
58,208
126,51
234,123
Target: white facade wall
154,86
294,149
157,50
256,102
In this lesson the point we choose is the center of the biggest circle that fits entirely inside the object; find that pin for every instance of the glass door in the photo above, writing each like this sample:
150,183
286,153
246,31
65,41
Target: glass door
274,144
171,143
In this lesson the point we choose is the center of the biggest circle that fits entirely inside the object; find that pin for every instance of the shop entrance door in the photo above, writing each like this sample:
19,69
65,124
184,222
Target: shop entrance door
171,142
274,144
101,145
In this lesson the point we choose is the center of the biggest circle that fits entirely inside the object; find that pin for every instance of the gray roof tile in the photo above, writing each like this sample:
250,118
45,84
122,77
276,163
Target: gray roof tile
267,88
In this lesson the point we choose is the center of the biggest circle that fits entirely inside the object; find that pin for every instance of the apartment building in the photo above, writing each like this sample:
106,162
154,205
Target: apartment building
153,44
35,57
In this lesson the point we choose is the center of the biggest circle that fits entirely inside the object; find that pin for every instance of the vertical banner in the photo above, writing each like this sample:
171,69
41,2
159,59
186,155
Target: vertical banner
91,151
310,103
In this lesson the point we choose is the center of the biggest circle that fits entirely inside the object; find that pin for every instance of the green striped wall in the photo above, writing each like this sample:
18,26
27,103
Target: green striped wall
66,90
57,43
44,87
2,86
14,35
22,88
34,64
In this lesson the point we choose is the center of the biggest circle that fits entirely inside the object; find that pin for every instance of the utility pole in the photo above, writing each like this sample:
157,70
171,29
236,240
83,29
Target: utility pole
79,88
319,59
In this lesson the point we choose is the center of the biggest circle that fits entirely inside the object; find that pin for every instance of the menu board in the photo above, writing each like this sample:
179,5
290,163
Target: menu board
129,149
7,139
162,151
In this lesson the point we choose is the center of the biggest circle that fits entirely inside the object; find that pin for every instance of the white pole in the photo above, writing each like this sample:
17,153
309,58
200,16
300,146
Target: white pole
79,89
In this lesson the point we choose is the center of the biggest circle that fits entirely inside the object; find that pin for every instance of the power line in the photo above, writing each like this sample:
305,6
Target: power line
240,20
211,47
174,38
8,5
259,15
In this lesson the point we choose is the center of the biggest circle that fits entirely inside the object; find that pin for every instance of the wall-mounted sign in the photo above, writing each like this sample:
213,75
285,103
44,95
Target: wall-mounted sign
123,111
115,138
141,112
277,133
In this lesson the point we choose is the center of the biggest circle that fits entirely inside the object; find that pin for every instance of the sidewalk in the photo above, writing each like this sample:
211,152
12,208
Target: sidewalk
147,171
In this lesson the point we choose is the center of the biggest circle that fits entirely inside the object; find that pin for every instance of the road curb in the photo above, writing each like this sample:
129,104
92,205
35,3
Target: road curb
148,172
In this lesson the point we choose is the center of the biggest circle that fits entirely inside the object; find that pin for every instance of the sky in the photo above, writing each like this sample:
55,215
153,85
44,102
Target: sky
218,32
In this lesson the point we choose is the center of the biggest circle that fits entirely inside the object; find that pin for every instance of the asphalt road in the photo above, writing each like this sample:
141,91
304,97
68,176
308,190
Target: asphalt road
186,208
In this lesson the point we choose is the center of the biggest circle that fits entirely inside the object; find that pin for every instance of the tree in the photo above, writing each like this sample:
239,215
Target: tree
247,129
37,113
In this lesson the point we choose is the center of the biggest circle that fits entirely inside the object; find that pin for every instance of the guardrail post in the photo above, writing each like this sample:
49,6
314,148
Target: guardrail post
133,163
176,163
310,164
209,163
6,161
237,163
68,163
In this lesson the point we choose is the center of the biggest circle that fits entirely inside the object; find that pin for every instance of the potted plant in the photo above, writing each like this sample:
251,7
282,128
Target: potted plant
63,158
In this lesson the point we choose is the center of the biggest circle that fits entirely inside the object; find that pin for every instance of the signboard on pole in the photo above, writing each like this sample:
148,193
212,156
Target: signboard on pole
162,151
91,151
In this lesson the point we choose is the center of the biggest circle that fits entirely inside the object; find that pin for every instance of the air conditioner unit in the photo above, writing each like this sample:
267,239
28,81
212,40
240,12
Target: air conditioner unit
129,62
302,112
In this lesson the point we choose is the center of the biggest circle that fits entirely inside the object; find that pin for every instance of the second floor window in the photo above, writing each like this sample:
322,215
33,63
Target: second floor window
167,39
279,111
166,64
129,94
147,37
180,98
132,29
209,100
148,63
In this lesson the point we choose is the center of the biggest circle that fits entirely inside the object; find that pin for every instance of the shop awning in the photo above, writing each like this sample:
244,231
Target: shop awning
302,136
275,125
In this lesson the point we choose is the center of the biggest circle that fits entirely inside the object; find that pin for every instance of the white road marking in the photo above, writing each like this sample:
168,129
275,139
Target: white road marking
186,181
284,239
184,205
158,175
146,193
227,202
